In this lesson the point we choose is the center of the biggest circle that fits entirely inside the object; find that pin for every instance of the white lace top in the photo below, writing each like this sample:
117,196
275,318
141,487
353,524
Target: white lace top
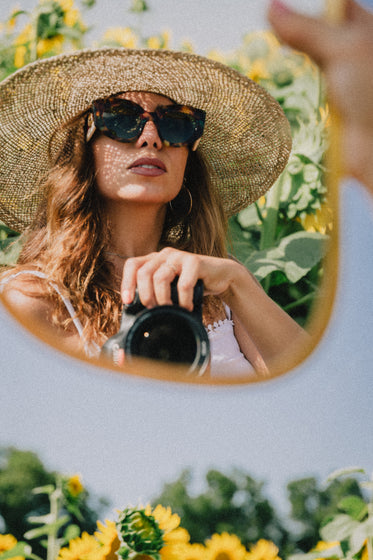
226,356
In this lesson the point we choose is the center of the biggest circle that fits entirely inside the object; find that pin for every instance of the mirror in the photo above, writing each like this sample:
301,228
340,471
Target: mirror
283,237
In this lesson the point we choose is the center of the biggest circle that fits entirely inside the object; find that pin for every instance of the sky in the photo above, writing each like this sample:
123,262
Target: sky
127,436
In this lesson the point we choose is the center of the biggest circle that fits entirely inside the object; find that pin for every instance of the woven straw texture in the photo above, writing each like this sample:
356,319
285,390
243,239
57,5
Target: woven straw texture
246,139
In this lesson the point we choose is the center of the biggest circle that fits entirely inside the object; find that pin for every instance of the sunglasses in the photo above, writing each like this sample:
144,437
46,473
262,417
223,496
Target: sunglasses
123,120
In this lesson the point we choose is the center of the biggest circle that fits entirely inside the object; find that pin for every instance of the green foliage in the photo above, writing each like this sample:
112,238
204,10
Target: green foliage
350,523
27,490
20,472
312,503
282,239
139,6
234,504
44,31
338,512
10,246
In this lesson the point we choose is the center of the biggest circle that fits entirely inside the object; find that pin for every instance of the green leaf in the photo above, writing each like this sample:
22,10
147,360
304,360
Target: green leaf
72,33
360,535
47,489
310,173
40,518
16,14
343,472
248,217
72,532
295,256
241,242
10,249
332,552
74,510
47,529
339,529
354,506
5,231
20,549
139,6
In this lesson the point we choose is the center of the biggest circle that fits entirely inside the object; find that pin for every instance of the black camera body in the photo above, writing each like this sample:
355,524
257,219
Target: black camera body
168,333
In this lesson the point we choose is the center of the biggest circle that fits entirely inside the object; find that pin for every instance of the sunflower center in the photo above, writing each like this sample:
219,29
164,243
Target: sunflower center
223,556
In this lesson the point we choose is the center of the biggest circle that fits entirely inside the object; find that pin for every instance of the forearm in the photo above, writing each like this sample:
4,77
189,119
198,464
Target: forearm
271,329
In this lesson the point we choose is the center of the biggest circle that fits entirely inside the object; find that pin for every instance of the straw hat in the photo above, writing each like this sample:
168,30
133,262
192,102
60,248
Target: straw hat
246,139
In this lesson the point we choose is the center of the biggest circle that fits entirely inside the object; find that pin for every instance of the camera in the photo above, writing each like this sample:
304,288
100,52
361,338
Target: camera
167,333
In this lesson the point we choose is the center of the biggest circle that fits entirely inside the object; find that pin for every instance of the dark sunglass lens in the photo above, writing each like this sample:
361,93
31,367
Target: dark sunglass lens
122,120
177,128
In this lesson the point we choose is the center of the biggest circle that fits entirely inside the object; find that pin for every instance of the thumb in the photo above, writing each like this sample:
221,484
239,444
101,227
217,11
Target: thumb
356,12
310,35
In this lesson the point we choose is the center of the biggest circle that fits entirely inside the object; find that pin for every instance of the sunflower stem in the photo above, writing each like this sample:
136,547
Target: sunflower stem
52,543
298,302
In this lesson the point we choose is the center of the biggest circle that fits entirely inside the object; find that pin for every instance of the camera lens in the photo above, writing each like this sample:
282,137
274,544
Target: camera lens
169,334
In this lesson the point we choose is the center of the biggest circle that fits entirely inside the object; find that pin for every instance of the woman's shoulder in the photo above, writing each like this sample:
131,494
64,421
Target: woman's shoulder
26,294
24,291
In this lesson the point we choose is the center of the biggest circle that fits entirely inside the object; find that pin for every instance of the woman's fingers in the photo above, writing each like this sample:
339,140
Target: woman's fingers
162,279
301,32
188,277
130,278
153,274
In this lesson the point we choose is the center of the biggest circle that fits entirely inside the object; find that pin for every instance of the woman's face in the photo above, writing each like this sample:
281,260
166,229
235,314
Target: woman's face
144,171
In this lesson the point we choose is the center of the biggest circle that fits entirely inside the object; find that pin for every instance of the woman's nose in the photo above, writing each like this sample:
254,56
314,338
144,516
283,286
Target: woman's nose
149,137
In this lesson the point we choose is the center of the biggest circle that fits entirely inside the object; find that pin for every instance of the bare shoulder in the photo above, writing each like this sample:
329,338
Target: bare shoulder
27,298
24,295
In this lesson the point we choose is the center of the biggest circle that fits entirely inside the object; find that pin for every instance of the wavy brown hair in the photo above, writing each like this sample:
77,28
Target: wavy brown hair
68,238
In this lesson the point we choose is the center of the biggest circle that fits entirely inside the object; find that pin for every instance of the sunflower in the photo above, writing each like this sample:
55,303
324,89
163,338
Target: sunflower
50,46
195,551
74,485
258,71
81,548
140,534
321,220
225,547
174,537
108,538
120,37
364,552
7,542
263,550
322,545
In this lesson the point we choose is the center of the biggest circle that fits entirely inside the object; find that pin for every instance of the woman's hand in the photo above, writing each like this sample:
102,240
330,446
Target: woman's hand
152,274
261,321
345,53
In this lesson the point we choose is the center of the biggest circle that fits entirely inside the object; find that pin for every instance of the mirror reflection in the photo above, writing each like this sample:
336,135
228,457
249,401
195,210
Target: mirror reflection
164,216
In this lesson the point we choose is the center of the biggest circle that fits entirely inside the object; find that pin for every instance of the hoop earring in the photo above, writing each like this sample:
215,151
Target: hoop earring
181,205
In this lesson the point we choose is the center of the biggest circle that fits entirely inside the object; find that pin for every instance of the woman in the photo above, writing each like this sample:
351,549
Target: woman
126,164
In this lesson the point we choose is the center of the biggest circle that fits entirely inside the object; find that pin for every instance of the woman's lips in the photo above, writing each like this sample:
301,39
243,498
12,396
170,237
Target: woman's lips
150,167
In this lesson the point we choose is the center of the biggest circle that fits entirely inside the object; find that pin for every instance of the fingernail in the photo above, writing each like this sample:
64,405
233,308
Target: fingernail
280,7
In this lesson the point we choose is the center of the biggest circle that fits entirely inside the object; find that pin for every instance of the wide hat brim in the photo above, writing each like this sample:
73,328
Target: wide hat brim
246,141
